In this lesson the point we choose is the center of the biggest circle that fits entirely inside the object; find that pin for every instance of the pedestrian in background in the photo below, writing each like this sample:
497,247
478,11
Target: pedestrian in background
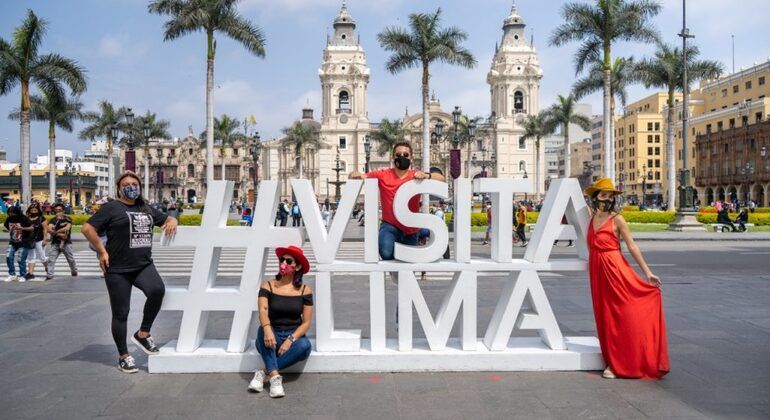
35,215
20,239
521,223
60,228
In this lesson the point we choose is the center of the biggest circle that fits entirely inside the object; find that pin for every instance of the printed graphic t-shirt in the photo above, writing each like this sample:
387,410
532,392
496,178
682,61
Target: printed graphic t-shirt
129,234
58,224
389,183
16,236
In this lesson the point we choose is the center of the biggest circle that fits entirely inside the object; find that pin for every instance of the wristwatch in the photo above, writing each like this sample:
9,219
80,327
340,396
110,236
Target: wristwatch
291,338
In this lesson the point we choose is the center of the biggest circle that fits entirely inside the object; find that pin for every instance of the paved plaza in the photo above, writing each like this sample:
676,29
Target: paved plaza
58,358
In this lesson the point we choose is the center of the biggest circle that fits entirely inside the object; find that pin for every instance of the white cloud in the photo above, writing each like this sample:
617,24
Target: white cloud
111,46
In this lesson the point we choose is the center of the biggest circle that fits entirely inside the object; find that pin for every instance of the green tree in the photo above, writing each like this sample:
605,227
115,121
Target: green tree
598,25
562,114
22,64
622,76
424,43
57,111
664,71
536,127
100,126
226,133
387,135
209,16
299,136
158,129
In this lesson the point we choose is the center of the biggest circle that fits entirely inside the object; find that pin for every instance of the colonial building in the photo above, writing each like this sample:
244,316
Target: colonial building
72,185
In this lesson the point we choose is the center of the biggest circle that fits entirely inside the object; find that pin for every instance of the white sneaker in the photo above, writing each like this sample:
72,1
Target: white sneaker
608,373
257,384
10,279
276,387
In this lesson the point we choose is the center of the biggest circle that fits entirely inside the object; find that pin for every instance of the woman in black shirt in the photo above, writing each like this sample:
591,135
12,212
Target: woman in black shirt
127,261
285,312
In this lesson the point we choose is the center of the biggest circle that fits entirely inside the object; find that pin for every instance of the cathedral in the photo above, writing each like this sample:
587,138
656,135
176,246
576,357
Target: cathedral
514,84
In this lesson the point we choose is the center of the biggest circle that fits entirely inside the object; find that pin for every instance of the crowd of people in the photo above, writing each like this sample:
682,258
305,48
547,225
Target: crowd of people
627,308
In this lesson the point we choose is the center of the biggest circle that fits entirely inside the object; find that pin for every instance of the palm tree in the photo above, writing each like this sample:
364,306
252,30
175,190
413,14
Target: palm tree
226,132
536,127
423,44
622,75
59,112
562,113
21,63
299,136
664,71
100,125
387,135
598,26
210,16
158,129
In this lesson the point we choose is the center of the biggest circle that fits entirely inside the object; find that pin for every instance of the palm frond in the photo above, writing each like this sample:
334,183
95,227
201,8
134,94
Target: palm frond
243,31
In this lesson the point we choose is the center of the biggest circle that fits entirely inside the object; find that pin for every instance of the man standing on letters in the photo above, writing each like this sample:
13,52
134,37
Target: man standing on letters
390,180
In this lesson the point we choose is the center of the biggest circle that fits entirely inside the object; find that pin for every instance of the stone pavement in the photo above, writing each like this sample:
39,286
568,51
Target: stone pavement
58,359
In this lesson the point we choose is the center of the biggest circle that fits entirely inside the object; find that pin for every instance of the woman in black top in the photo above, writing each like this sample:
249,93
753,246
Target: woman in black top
35,216
127,261
285,313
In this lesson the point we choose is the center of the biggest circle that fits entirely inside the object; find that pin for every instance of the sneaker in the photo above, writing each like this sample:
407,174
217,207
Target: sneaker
147,344
571,245
608,373
29,276
74,274
525,244
10,278
276,387
21,279
127,365
49,277
484,243
257,384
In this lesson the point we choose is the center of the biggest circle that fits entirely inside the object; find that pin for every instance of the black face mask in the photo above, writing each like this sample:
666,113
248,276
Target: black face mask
604,205
402,163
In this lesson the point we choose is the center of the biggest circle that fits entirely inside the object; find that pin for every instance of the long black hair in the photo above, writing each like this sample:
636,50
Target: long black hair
139,201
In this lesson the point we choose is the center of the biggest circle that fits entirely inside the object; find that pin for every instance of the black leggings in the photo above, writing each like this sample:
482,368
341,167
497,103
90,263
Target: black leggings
119,285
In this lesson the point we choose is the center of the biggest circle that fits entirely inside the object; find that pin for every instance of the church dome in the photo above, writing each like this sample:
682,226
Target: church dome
344,18
513,19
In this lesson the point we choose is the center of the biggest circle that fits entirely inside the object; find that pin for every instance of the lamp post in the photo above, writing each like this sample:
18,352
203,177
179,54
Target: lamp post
525,177
256,149
747,172
130,164
111,159
645,175
484,162
367,151
146,132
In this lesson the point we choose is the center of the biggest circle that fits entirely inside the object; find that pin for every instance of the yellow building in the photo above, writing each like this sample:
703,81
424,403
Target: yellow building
640,150
72,187
734,101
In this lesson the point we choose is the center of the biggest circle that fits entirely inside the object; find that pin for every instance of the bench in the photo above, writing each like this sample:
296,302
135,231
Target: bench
721,227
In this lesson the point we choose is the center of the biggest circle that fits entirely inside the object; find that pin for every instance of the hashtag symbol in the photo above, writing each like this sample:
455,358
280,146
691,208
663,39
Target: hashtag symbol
202,294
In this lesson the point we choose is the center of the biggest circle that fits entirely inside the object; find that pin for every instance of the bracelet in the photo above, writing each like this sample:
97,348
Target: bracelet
291,338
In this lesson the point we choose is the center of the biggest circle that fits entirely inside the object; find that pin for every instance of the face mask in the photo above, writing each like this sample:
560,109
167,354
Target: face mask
286,269
130,192
402,163
604,205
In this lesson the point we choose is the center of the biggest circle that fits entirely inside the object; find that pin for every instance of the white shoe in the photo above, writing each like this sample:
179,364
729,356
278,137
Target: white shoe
10,279
608,373
257,384
276,387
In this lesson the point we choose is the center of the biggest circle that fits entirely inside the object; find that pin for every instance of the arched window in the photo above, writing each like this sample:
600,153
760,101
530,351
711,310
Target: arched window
344,100
522,143
522,166
191,171
518,102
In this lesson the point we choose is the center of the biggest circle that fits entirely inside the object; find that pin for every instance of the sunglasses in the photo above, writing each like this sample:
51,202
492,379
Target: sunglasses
406,155
289,261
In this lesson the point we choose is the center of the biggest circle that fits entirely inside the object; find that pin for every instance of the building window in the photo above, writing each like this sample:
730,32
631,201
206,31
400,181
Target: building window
735,89
649,126
522,166
727,147
344,101
657,163
657,126
191,171
649,138
657,176
720,126
744,121
731,122
343,143
708,128
190,151
657,138
235,151
518,102
649,163
522,143
649,150
758,117
752,144
724,93
748,85
657,151
762,81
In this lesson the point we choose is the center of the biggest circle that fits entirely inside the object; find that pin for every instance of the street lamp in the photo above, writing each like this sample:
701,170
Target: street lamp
484,162
525,177
645,175
146,132
747,171
130,153
256,149
367,151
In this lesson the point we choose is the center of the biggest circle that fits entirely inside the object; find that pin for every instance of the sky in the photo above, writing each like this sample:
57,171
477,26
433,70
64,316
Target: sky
129,64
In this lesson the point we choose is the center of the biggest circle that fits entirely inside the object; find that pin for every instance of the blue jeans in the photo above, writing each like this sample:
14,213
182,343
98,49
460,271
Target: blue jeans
298,351
388,237
10,258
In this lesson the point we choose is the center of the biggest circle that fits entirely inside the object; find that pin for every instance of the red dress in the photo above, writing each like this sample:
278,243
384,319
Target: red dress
628,310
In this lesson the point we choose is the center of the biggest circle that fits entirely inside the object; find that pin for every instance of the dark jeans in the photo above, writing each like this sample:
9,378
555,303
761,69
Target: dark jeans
298,351
520,232
296,220
119,286
10,259
388,237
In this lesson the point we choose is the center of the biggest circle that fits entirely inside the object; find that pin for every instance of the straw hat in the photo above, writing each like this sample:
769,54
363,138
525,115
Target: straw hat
601,184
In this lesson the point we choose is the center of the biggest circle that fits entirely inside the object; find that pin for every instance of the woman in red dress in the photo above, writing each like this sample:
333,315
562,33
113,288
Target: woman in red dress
628,309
